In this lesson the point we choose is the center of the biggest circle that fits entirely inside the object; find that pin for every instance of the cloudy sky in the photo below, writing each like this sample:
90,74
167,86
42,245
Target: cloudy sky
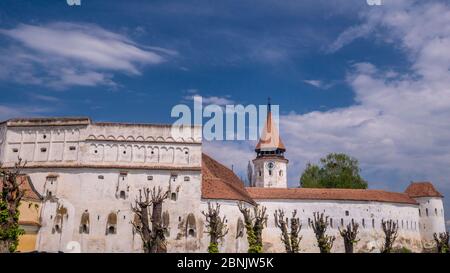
370,81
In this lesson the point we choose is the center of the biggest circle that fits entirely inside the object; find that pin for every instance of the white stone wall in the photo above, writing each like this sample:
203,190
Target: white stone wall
263,178
88,166
431,218
94,144
2,139
97,191
371,233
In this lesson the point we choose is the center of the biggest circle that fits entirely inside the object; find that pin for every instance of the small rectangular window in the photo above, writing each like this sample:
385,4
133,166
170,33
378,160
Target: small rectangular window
15,150
72,148
43,150
187,178
150,177
101,177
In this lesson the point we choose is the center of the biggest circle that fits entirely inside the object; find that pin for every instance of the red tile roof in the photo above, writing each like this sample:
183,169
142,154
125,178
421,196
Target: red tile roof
330,194
422,189
219,182
30,192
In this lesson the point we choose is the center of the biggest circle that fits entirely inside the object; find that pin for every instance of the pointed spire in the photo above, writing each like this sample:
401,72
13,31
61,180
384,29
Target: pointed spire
270,139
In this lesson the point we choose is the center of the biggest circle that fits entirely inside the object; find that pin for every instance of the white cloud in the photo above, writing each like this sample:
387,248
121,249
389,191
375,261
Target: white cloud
44,98
318,84
221,101
399,129
67,54
14,111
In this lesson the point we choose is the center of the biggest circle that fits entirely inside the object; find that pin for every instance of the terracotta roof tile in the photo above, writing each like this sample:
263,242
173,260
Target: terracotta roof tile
219,182
26,184
422,189
270,136
330,194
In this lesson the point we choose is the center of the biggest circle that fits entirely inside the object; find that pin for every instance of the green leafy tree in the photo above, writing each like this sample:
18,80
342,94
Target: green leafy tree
336,170
11,195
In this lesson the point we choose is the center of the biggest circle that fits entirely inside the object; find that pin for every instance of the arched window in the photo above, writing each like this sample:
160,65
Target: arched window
342,222
435,212
122,195
281,173
84,223
420,213
270,172
426,212
173,196
373,223
363,223
191,225
111,230
111,225
331,222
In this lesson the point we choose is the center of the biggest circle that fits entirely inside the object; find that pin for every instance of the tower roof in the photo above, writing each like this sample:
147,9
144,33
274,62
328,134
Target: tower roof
270,137
422,189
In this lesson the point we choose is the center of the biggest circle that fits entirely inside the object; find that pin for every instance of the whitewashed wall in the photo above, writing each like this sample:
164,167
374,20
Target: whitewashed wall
431,218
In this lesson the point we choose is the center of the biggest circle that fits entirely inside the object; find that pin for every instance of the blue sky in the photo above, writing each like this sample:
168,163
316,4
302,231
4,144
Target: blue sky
371,81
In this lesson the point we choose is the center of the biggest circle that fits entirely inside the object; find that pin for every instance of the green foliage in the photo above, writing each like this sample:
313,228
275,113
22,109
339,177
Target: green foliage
336,170
213,248
253,246
402,250
9,231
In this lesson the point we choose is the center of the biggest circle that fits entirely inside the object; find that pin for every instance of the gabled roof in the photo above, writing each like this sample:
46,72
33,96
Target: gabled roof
422,189
25,184
219,182
330,194
270,136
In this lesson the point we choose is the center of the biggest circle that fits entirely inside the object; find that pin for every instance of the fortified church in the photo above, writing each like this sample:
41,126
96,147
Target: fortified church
83,176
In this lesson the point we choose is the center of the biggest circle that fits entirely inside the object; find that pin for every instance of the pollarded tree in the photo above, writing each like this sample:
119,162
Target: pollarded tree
442,242
11,195
349,234
254,224
319,226
153,239
390,229
217,229
291,240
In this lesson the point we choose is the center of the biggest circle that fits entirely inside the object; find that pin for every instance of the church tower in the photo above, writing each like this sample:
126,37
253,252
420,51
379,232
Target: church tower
270,165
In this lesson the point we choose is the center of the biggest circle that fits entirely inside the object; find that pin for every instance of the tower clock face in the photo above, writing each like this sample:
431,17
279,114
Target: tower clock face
270,165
